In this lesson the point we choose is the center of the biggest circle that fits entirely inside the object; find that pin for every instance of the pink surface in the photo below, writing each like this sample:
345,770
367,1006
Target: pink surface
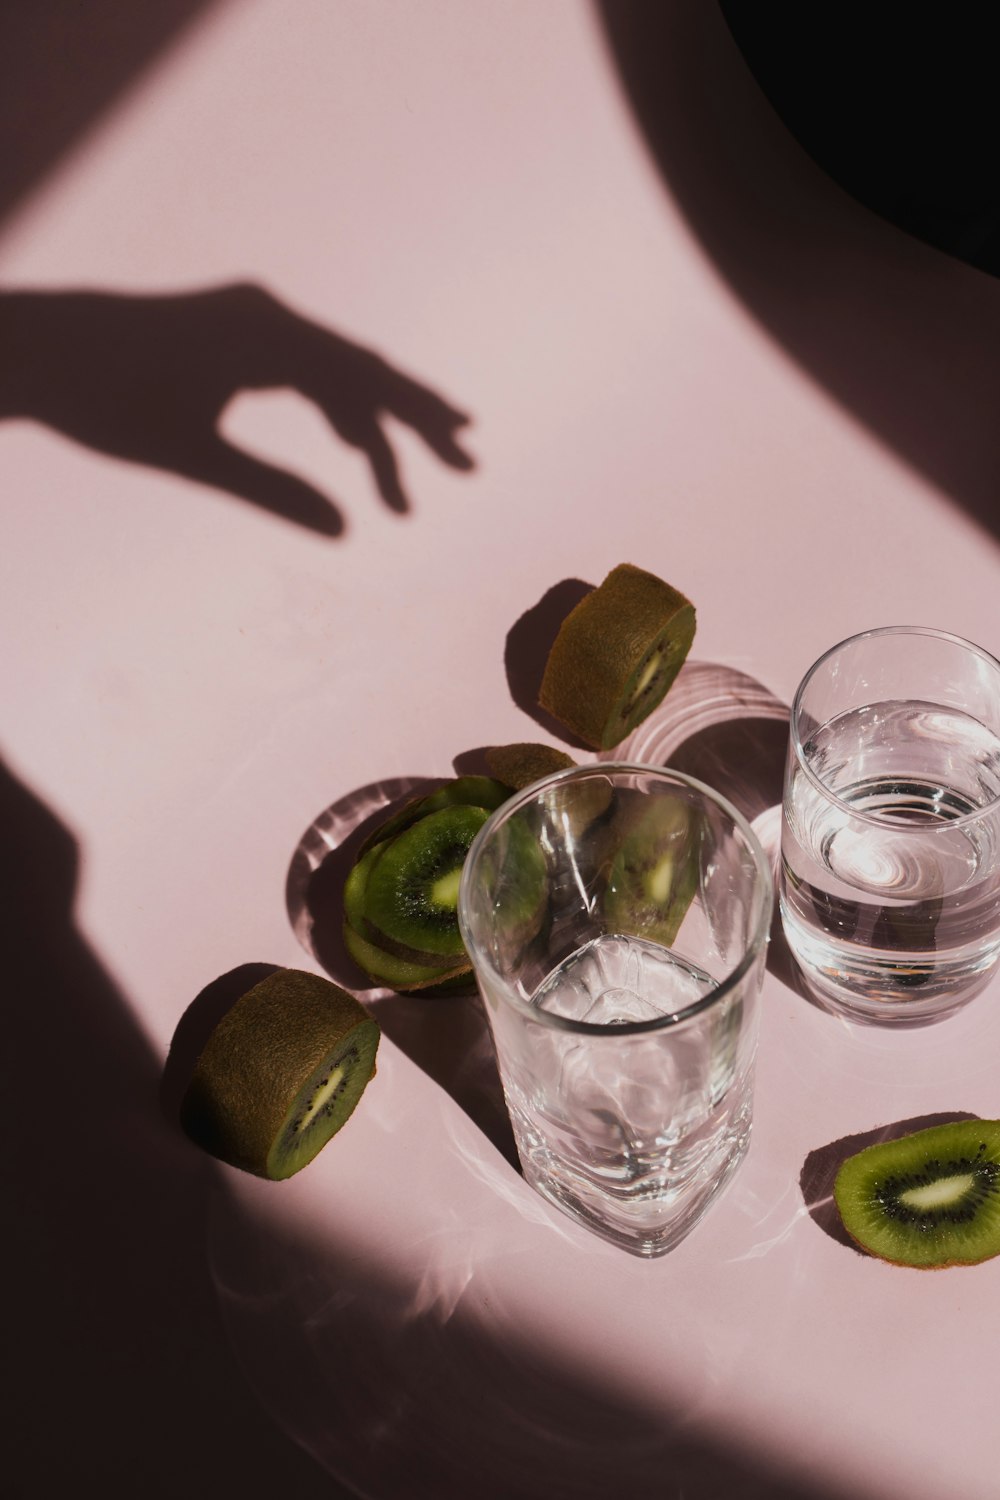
191,682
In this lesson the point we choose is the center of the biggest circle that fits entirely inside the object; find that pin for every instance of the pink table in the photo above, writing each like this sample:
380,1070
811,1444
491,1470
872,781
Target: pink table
688,350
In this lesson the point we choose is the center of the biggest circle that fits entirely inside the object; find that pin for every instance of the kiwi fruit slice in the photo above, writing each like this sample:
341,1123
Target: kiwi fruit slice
929,1199
653,877
616,654
280,1074
411,895
423,972
517,766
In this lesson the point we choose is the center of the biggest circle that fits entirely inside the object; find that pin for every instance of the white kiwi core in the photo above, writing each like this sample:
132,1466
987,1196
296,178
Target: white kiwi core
938,1194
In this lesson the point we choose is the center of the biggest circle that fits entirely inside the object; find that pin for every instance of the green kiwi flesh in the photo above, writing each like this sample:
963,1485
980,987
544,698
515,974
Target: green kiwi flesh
518,766
653,878
616,655
280,1074
411,895
930,1199
423,972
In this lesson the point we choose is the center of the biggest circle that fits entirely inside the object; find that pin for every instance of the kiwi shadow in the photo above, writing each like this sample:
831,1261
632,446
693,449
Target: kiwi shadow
904,336
820,1168
447,1036
117,1366
527,648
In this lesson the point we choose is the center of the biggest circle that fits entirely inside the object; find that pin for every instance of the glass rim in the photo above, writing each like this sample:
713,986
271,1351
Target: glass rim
551,1019
877,820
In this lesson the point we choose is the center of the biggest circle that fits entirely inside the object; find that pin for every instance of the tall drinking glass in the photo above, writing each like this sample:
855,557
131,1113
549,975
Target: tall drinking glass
890,878
617,919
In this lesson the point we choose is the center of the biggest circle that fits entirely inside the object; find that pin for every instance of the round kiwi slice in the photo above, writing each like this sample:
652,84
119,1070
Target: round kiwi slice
411,895
517,766
280,1074
616,654
930,1199
385,966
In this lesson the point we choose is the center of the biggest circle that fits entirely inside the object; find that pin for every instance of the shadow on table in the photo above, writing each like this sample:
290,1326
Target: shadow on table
148,379
904,336
821,1166
526,651
424,1391
61,66
118,1370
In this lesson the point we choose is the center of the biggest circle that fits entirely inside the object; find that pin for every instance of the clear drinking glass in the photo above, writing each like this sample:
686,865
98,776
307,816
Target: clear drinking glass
890,878
617,919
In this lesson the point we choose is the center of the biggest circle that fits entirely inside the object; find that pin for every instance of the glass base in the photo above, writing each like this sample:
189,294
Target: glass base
644,1227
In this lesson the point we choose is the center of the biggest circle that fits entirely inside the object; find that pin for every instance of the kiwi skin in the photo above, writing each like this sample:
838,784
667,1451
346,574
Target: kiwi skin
263,1061
518,766
594,678
877,1195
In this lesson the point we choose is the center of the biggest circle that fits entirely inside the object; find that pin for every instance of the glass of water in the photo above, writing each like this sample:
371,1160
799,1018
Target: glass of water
890,878
617,918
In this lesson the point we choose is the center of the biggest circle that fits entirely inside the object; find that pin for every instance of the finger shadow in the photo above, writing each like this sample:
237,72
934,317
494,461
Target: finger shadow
820,1168
447,1036
148,380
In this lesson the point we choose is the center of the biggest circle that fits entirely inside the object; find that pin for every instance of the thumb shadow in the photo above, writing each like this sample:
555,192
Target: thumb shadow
148,378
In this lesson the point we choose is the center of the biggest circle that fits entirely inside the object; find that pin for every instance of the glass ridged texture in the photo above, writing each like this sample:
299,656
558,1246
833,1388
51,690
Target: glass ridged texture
617,919
890,872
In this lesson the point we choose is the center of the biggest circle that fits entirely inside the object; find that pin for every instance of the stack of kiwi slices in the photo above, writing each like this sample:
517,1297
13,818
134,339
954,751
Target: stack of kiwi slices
401,896
280,1074
615,656
929,1199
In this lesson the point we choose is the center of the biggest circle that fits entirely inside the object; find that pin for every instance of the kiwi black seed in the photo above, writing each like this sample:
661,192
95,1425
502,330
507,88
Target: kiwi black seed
517,766
929,1199
411,895
653,876
280,1074
616,654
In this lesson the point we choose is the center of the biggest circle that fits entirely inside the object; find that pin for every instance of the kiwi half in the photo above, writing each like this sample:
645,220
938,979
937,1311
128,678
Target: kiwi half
930,1199
280,1074
653,877
616,654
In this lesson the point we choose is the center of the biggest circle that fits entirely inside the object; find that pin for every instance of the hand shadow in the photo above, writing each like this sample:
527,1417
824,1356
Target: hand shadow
147,379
